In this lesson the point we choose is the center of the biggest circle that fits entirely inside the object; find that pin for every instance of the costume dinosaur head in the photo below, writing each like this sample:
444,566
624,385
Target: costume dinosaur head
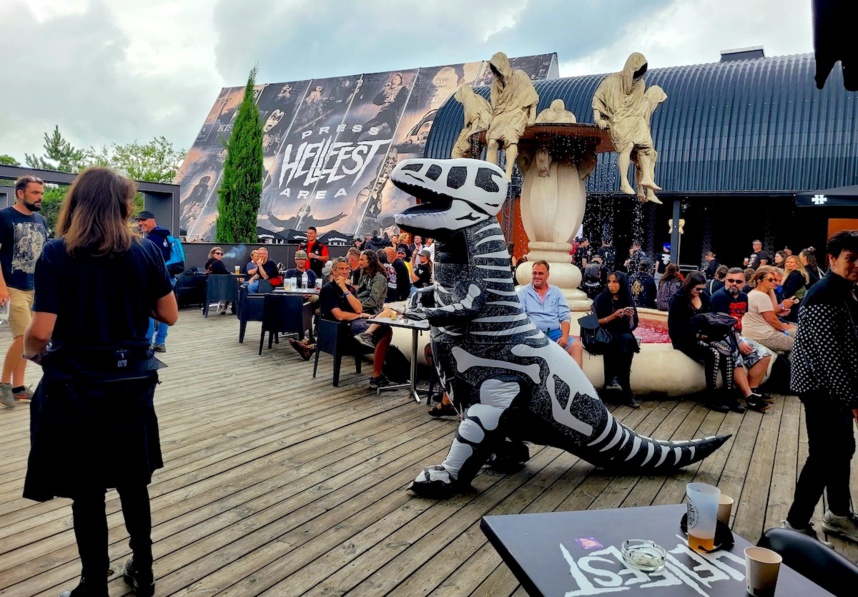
453,194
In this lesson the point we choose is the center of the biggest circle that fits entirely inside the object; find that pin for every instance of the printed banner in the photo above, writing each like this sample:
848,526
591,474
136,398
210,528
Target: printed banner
329,146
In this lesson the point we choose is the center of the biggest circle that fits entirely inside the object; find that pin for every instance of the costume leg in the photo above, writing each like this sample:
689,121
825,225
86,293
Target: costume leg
492,151
90,531
477,435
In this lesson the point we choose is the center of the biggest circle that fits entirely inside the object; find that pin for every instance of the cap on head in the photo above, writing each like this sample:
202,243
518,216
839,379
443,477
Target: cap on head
300,254
145,215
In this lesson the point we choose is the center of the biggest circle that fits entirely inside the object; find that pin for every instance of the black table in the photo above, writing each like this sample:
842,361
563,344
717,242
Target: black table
576,554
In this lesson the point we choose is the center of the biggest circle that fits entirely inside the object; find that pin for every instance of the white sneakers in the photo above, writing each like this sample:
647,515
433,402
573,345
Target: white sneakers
843,526
809,531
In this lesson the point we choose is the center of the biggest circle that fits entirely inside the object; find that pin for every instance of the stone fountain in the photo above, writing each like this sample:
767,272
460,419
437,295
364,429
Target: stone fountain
555,154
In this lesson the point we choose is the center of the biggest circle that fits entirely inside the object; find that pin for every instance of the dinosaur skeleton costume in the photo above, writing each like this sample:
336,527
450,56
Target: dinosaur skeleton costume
498,368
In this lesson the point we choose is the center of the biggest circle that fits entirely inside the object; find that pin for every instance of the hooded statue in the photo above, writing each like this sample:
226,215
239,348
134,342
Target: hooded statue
622,106
513,100
478,115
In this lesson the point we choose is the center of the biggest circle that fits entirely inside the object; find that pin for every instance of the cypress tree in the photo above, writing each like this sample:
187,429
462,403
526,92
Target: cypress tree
241,186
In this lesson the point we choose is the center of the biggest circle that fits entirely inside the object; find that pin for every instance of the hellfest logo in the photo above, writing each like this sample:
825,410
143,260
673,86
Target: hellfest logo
603,571
327,160
819,199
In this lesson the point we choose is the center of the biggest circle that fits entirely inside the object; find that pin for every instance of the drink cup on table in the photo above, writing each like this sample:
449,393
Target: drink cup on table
761,571
237,269
725,508
702,515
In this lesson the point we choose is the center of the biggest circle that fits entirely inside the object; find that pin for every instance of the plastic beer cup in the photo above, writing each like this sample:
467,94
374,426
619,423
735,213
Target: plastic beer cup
702,515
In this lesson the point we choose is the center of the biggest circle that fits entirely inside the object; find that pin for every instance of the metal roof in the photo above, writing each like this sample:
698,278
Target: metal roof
755,126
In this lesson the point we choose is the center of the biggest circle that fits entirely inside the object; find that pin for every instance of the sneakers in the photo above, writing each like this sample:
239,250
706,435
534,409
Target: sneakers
630,401
365,339
378,382
613,385
443,410
757,403
844,526
6,398
142,582
302,348
808,530
159,347
717,406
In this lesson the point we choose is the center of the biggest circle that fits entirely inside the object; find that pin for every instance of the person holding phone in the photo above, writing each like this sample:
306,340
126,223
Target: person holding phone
618,315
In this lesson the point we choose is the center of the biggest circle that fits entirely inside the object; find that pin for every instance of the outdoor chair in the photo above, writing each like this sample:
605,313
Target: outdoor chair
335,338
189,290
249,309
220,288
813,560
284,314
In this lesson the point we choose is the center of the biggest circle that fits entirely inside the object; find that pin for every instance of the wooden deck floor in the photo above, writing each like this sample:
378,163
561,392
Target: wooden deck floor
278,484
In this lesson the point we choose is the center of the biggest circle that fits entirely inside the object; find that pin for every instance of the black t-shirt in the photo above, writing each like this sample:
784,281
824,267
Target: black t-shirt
423,271
317,248
399,282
662,263
100,302
330,298
216,267
757,258
294,273
21,240
271,269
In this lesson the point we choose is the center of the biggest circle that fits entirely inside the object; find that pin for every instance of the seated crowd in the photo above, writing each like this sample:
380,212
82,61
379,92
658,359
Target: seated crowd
762,302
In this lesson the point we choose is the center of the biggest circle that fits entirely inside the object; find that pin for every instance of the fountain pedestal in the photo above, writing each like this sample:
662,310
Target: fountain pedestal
555,160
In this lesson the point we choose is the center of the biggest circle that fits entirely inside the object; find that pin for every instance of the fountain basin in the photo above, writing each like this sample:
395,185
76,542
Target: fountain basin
657,369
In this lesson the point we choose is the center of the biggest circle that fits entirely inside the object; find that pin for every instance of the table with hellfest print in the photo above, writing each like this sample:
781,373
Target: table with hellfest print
578,554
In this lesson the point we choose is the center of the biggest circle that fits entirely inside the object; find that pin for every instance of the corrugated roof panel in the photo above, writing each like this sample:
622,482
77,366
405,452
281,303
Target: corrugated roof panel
743,125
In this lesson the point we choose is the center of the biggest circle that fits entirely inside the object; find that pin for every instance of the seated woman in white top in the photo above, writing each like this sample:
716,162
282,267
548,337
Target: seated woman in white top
761,322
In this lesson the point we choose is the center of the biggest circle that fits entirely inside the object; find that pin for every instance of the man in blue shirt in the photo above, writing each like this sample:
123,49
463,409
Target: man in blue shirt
23,233
548,310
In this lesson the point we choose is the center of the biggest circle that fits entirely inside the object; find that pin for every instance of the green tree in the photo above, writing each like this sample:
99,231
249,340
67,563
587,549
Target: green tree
59,155
155,161
8,160
241,186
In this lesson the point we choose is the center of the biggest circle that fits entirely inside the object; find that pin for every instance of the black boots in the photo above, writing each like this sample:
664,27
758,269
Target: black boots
143,582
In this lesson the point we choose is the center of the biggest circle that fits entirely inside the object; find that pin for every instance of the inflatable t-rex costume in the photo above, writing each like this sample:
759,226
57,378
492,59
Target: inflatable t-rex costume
506,376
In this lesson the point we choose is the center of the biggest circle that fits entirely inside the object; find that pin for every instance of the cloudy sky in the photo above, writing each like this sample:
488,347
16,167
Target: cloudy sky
122,70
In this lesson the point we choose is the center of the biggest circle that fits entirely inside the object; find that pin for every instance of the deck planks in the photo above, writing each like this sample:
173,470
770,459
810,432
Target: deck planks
279,484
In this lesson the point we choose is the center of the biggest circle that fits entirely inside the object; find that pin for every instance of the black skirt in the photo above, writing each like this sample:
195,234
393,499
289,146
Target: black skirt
88,433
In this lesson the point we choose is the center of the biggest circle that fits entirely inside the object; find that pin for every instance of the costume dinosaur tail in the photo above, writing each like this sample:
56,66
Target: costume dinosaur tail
615,446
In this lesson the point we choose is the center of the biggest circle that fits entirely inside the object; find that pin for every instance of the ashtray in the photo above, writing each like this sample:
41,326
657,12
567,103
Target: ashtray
643,555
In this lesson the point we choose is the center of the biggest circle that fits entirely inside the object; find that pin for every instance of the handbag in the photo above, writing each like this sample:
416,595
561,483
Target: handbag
594,337
715,326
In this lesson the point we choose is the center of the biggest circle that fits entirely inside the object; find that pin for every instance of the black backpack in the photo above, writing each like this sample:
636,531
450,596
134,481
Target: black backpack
592,283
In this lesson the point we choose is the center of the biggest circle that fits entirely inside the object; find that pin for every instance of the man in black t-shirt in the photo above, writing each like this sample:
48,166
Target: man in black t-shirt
583,253
758,257
399,281
421,269
337,302
23,233
316,251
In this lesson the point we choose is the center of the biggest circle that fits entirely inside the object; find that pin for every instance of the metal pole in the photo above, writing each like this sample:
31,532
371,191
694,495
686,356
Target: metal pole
674,235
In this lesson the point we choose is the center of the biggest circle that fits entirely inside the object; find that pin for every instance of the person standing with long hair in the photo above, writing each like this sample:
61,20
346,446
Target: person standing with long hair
93,424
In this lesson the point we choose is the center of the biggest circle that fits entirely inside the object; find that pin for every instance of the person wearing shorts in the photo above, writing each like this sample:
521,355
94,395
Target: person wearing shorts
23,234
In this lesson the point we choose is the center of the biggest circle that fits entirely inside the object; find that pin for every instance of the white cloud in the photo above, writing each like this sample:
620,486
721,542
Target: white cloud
118,70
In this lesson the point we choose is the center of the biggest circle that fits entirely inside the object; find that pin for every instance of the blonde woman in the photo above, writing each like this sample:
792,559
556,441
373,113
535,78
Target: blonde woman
761,322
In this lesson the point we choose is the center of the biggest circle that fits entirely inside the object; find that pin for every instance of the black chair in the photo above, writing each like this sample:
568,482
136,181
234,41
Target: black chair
249,309
335,338
813,560
220,288
284,314
189,290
